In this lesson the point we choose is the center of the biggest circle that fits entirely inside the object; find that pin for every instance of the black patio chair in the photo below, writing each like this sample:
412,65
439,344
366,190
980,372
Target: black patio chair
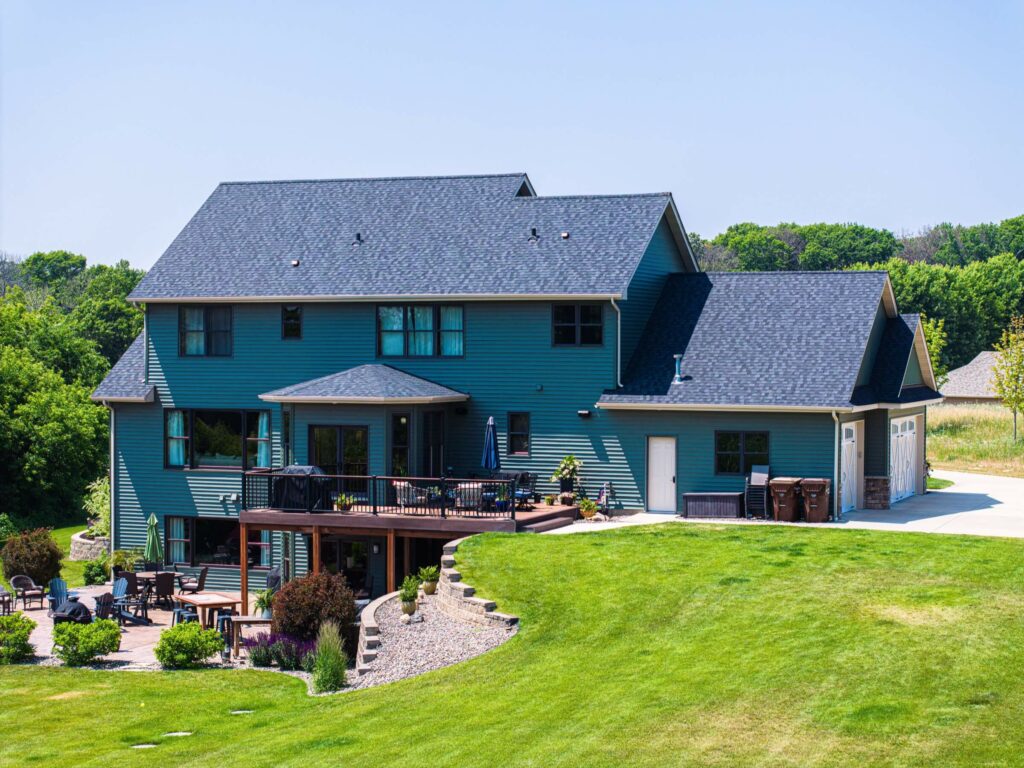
188,585
6,602
525,488
27,590
163,590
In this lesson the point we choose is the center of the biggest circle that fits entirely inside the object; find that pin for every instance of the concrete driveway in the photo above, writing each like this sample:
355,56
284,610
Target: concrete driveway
983,505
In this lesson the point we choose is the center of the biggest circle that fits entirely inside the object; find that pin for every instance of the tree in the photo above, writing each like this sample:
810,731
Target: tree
1008,369
935,337
51,268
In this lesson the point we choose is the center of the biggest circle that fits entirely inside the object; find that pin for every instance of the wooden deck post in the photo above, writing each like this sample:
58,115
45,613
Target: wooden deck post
316,549
243,534
406,553
391,560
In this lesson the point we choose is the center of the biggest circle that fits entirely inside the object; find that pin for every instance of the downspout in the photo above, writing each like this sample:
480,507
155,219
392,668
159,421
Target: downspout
113,474
618,343
836,447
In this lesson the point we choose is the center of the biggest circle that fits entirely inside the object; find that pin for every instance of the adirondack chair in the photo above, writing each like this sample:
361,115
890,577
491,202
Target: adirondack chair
129,607
104,606
27,590
58,594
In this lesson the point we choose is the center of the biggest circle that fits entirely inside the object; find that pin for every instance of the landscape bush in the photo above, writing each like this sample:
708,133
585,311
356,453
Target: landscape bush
79,644
330,663
302,605
187,646
34,554
96,571
290,653
14,634
97,506
259,649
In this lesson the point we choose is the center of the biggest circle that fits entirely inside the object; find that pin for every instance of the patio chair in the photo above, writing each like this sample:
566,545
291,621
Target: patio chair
525,486
128,607
58,594
132,580
163,590
27,590
755,492
409,495
190,585
104,606
5,602
468,496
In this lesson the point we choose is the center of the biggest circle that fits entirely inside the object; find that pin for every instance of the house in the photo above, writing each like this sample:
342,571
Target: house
320,360
974,382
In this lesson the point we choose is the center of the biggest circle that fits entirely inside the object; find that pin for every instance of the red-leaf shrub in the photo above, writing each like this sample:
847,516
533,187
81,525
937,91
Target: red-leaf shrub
303,604
34,554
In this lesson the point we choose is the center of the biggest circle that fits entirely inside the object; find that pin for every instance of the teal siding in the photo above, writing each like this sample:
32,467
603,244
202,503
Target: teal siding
914,376
867,364
661,258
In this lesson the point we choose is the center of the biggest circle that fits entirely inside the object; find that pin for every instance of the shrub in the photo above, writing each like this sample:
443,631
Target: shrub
96,571
14,633
7,527
78,644
289,652
125,559
302,605
410,589
330,663
259,649
34,554
429,573
186,646
97,506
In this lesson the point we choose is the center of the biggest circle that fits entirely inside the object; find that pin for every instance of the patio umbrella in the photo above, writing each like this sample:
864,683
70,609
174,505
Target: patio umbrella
154,552
490,460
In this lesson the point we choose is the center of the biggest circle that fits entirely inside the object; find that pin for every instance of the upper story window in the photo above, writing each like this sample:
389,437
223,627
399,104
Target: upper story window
737,452
217,439
204,331
420,330
577,325
291,322
519,433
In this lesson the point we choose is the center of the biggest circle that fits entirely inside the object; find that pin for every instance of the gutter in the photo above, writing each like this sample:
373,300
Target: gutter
113,475
372,298
618,342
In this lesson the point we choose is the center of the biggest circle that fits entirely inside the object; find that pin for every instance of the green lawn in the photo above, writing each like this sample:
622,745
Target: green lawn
653,646
975,438
938,483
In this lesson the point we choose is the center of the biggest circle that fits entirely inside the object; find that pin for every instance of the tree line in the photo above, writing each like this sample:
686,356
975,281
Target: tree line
63,324
967,280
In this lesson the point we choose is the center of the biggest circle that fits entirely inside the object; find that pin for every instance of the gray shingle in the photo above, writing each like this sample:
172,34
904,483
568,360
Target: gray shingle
891,363
755,339
124,382
467,235
366,383
973,379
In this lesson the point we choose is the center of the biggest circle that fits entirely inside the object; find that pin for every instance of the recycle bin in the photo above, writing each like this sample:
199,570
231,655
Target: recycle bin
784,497
816,492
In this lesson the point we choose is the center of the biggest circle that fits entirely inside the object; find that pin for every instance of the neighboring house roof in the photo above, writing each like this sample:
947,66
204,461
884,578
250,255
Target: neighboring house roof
762,339
372,383
456,236
124,382
974,380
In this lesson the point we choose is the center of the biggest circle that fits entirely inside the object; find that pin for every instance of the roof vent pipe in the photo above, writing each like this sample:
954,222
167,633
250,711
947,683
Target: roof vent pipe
358,240
533,235
679,369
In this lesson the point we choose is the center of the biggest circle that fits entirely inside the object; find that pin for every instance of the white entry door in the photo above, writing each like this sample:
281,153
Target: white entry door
902,458
661,474
848,480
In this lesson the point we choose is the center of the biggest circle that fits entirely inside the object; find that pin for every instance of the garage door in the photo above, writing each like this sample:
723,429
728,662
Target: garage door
902,458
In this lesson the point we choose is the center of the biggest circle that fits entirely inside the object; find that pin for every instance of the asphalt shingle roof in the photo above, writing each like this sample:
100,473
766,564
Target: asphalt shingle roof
780,339
435,236
973,379
367,384
124,382
891,363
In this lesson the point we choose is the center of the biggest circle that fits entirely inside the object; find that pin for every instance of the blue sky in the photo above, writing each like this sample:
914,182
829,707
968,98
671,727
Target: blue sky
118,119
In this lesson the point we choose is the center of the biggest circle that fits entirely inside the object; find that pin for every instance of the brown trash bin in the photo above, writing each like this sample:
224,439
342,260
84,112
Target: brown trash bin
816,492
784,497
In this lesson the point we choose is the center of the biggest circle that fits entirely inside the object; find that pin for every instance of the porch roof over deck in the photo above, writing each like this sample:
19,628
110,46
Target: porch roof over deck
366,384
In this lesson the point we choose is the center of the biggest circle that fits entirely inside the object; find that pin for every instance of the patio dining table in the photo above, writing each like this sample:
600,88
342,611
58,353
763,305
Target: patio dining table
204,602
151,575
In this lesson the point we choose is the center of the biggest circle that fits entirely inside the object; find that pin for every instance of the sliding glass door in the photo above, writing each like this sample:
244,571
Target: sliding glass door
341,450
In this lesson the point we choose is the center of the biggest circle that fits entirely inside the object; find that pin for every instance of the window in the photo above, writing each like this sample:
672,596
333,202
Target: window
400,444
519,434
217,439
577,325
213,541
420,330
291,322
204,331
178,535
737,452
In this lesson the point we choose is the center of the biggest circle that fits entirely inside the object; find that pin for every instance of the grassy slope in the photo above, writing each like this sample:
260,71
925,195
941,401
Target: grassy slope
975,438
674,645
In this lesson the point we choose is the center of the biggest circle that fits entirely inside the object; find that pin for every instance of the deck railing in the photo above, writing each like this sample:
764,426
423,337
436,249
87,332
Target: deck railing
380,495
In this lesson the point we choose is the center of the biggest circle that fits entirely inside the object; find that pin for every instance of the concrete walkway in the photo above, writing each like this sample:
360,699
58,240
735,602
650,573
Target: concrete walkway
979,505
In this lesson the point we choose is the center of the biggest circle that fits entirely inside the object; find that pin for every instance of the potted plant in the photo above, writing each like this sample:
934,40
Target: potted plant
428,576
549,500
567,472
343,502
501,502
264,601
588,508
407,594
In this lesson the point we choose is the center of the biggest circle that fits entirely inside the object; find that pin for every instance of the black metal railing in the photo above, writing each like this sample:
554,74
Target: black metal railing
381,495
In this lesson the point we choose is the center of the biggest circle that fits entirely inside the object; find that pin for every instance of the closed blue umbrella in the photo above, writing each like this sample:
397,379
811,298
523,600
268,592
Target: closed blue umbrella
490,460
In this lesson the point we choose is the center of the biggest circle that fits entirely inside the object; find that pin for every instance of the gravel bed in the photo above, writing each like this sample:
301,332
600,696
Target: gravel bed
412,649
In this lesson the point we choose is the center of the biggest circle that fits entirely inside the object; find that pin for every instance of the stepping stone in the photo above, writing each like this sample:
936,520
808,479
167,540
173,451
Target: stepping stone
241,711
179,733
143,746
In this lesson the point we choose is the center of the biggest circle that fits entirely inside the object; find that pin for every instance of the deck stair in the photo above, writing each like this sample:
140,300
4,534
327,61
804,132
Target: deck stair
547,525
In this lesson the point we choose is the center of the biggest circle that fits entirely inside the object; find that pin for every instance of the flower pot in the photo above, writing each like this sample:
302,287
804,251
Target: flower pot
409,608
429,587
265,613
566,484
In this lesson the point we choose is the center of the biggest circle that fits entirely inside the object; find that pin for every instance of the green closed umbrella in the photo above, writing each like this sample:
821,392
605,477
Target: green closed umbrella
153,553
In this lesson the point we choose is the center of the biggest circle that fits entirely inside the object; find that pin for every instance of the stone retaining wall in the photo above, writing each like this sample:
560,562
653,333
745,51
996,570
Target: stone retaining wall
458,600
87,549
369,634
